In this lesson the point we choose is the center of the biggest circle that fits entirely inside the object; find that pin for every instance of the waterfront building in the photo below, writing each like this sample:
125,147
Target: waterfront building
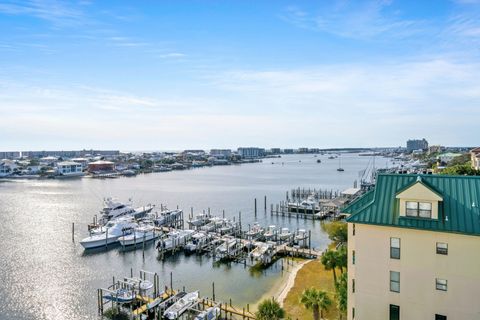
251,152
436,149
69,168
101,166
9,155
70,154
7,167
302,150
221,153
416,144
275,151
288,151
475,158
413,247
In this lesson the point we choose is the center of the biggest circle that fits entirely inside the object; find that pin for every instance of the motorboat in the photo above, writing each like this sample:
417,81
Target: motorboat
214,224
113,209
121,295
179,307
226,228
308,206
140,234
211,313
271,232
255,232
139,284
174,239
263,253
112,231
197,241
284,234
199,220
166,217
301,235
226,248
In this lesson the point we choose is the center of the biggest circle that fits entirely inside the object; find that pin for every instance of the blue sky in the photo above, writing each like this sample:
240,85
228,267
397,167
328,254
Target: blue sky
150,75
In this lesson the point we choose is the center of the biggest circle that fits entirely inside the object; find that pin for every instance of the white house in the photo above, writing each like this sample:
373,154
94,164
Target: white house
7,167
69,169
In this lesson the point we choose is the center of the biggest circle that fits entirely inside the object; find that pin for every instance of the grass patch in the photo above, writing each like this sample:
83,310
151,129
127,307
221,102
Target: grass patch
312,274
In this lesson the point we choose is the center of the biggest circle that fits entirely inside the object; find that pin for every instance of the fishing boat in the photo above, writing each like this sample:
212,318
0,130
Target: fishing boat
228,247
227,227
271,232
199,220
174,239
112,231
197,241
255,232
301,235
214,224
120,295
211,313
141,285
340,165
308,206
140,234
284,234
179,307
166,217
262,254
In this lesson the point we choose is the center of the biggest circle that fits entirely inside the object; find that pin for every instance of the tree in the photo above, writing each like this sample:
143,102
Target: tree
329,260
315,300
337,232
270,309
341,293
342,259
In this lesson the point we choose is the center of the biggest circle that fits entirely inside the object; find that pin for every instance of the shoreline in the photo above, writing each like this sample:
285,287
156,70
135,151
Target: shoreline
281,289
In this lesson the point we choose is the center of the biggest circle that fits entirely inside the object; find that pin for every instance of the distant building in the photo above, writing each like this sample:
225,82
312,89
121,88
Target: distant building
302,150
288,151
251,152
275,150
101,166
436,149
314,150
69,168
417,145
7,167
475,158
9,155
221,153
413,244
70,154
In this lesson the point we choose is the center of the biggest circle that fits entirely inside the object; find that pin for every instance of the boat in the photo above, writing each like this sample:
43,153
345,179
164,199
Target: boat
174,239
271,232
284,234
166,217
226,228
120,296
308,206
179,307
255,232
112,231
226,248
301,235
139,284
214,224
140,234
319,161
197,241
340,165
211,313
263,253
199,220
113,209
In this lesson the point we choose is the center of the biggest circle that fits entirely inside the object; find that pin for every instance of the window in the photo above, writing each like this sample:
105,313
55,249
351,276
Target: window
394,312
395,248
441,284
353,229
353,313
442,248
353,285
419,209
440,317
353,256
394,281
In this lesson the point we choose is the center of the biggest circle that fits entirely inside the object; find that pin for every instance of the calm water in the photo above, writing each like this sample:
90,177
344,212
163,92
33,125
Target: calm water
46,276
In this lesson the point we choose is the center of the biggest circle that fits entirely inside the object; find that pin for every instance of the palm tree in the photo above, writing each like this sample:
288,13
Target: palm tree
330,262
341,255
270,309
315,300
341,293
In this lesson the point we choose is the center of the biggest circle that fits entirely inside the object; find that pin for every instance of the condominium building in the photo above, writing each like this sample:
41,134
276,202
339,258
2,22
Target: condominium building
416,144
414,249
251,152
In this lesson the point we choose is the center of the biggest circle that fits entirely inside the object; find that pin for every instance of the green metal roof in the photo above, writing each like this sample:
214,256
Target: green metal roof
459,212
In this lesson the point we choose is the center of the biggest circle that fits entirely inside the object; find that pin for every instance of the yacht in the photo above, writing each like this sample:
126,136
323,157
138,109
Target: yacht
140,234
166,217
301,235
199,220
263,253
113,209
179,307
112,231
309,206
174,239
214,224
211,313
197,241
226,248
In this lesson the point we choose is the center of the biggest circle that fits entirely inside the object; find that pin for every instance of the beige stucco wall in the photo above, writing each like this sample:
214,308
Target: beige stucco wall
419,266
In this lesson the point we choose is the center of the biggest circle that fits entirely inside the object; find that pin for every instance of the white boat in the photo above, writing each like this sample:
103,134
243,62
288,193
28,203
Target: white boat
166,217
211,313
197,241
179,307
112,231
199,220
284,234
308,205
301,235
174,239
121,296
255,232
140,234
263,253
214,224
139,284
227,227
226,248
271,232
113,209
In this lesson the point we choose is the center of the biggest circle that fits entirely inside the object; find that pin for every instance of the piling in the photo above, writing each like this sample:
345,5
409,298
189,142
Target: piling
255,207
73,231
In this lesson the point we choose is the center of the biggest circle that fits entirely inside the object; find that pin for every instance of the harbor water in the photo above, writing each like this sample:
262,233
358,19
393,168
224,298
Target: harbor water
44,275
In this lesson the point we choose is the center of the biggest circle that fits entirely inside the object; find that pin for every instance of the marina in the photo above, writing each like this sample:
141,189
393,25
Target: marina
226,190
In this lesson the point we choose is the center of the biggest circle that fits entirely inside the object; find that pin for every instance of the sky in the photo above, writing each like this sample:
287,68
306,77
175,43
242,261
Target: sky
160,75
